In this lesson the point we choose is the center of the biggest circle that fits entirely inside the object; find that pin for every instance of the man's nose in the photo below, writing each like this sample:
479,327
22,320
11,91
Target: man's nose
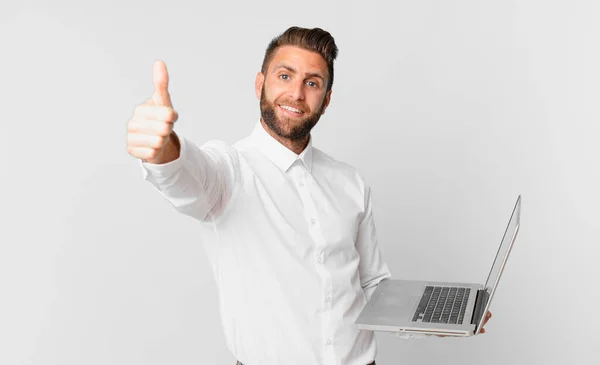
297,90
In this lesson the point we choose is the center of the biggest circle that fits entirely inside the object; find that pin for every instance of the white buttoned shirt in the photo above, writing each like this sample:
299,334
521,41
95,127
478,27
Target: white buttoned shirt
291,242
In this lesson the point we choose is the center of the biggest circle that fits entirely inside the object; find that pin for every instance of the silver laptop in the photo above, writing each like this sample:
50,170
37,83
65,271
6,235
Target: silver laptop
438,308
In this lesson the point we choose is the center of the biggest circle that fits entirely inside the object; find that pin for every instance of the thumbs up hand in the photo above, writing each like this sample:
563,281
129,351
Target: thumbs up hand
149,132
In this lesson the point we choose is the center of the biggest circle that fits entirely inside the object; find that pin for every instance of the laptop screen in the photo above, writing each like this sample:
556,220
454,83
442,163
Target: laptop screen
502,255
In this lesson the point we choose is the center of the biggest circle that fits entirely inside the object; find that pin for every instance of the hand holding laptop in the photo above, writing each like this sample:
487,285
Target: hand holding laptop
488,315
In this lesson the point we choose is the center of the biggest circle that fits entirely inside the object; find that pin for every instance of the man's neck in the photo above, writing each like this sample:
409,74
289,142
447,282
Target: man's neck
294,145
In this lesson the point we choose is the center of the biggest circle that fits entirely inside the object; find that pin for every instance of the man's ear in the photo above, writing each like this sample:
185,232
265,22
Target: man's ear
258,84
326,101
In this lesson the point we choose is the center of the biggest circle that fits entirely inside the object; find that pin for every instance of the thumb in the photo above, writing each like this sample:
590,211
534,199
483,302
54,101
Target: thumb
160,79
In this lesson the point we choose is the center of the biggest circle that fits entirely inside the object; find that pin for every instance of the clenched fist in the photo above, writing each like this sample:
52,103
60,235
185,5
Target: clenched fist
149,134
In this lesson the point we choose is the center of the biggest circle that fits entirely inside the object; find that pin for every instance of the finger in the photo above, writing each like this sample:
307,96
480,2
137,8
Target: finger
482,331
145,141
487,317
149,127
142,153
153,112
160,79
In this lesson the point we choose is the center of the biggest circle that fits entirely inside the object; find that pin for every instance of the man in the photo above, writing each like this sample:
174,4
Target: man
288,230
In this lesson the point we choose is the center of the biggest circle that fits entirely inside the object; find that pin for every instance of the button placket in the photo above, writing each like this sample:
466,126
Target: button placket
304,185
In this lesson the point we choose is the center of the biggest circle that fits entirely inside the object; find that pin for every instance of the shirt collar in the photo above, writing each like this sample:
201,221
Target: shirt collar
280,155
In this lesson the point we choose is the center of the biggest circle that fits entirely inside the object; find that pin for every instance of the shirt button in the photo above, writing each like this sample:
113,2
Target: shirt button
313,221
327,299
301,183
322,257
328,342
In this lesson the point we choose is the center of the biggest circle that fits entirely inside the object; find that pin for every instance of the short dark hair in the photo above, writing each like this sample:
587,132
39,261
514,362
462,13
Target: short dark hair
315,40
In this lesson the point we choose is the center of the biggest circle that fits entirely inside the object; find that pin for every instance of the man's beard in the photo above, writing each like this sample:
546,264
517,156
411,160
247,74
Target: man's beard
298,132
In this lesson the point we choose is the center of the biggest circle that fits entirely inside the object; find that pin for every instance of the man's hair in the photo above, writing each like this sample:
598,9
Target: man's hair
315,40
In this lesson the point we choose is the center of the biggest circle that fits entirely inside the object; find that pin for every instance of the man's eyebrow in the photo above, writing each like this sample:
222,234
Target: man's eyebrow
292,70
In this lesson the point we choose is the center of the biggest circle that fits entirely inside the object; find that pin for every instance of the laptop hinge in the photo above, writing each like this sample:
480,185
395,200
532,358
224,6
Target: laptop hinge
480,302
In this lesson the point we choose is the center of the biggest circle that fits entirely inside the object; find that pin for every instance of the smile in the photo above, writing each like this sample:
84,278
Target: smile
291,109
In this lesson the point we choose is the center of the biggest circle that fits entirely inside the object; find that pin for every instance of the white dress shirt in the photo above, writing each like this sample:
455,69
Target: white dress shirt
291,242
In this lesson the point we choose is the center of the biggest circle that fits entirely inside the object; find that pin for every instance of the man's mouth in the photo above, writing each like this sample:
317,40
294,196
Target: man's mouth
291,109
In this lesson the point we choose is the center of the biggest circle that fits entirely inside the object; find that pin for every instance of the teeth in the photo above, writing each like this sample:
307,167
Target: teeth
291,109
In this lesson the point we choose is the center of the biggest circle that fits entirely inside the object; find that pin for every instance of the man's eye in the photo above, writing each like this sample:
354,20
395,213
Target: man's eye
284,77
312,84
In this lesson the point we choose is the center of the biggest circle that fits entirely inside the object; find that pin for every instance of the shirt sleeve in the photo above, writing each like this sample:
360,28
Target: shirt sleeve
200,182
372,268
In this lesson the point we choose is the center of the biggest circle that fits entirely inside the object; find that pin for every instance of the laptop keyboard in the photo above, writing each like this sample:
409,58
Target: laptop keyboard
442,304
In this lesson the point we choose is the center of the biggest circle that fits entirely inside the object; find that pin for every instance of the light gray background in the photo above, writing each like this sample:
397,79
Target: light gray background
450,109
